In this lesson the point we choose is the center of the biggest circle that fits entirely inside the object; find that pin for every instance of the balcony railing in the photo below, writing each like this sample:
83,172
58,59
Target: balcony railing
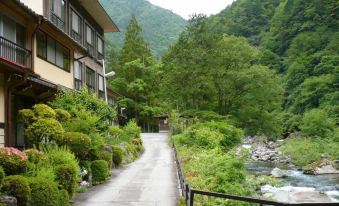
90,49
14,54
76,36
57,21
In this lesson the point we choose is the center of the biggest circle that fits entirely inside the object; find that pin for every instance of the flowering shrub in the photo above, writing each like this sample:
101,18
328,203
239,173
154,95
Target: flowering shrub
35,156
13,160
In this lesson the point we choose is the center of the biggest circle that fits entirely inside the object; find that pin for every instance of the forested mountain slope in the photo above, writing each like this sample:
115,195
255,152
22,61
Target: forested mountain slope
299,39
161,27
296,39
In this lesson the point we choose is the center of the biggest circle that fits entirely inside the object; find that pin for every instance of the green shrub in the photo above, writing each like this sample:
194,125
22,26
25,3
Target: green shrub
62,115
44,130
65,167
117,155
79,143
232,136
35,156
132,130
44,192
67,177
107,156
13,160
115,131
316,123
63,198
43,111
17,186
204,137
100,171
26,116
2,176
302,151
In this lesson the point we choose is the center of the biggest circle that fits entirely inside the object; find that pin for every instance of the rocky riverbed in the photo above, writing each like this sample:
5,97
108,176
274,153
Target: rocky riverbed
267,159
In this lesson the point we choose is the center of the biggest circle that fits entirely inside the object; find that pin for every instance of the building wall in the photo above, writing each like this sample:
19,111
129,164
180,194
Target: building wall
2,108
35,5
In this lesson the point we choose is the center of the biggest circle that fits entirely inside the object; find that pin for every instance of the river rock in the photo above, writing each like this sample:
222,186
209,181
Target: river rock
278,173
8,200
294,194
320,167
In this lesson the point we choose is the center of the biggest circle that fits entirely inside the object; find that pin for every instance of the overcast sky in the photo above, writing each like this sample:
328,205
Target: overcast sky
187,7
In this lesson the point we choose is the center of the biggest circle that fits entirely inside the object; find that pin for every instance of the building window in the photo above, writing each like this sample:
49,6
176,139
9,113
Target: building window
76,29
58,13
100,48
52,51
77,75
110,101
90,79
101,87
89,44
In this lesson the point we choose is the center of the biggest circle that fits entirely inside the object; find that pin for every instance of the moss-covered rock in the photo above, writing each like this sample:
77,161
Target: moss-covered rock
319,167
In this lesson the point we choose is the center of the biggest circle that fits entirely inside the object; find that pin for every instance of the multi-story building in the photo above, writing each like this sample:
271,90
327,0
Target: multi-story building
47,45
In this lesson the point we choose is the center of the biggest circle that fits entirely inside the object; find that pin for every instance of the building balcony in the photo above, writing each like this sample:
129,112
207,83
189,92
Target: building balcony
57,21
14,54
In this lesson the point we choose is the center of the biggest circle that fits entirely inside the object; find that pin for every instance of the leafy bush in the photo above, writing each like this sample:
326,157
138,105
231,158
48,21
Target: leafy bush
99,171
132,130
316,123
35,156
63,157
13,160
62,115
107,156
2,176
67,177
44,192
43,111
26,116
79,143
45,130
17,186
115,131
63,198
204,137
117,155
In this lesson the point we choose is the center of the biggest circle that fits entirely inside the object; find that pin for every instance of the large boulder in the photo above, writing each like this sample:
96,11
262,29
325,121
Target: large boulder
320,167
8,200
278,173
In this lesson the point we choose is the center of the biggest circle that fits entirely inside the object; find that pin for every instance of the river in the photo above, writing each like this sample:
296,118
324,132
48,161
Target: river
327,184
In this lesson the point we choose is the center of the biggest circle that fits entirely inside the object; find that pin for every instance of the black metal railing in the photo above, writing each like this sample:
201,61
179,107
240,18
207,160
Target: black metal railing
76,36
90,49
57,21
14,53
189,193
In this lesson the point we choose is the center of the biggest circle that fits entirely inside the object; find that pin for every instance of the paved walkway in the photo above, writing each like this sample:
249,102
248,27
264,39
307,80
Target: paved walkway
149,181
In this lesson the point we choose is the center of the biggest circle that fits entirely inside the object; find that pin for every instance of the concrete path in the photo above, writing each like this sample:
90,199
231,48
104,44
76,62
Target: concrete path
149,181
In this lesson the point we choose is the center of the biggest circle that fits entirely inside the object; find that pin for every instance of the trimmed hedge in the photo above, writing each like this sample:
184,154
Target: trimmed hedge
79,143
99,171
66,176
117,155
44,192
18,187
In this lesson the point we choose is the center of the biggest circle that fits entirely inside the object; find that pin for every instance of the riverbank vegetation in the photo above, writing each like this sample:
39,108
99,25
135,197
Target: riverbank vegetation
72,146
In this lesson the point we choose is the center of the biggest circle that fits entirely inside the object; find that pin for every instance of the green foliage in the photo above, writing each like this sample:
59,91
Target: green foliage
45,130
78,143
99,171
116,135
18,187
316,123
62,115
2,176
43,111
117,155
67,177
132,130
44,192
232,136
12,160
168,24
66,167
87,111
35,156
305,150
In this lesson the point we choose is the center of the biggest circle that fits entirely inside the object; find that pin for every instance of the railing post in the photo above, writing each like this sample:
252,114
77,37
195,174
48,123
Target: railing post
191,197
